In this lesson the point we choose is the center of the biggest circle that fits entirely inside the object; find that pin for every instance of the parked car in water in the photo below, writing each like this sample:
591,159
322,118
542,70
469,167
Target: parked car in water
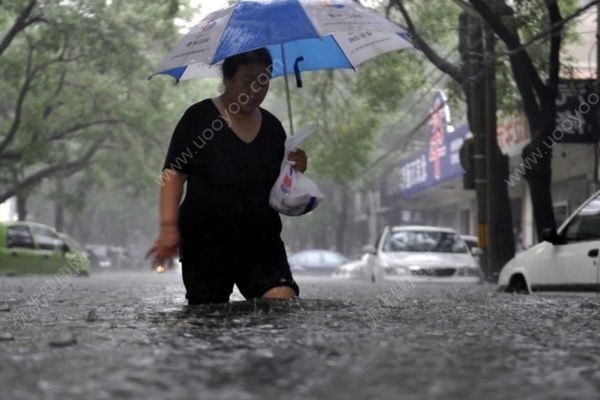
33,248
426,253
566,261
316,262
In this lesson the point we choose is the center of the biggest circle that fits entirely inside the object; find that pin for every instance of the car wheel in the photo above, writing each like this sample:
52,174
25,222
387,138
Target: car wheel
517,285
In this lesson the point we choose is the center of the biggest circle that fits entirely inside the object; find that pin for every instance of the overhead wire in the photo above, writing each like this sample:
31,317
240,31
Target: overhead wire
401,142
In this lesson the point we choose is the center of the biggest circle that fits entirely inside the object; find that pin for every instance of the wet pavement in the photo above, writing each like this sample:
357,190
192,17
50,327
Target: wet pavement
131,336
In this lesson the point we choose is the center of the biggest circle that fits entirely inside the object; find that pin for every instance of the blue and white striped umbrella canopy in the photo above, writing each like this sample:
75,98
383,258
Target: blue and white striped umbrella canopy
327,34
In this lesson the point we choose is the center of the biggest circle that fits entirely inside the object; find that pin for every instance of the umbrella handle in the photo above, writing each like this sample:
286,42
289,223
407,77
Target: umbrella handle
297,71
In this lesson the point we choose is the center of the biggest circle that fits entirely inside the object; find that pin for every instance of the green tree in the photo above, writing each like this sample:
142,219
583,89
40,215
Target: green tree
535,70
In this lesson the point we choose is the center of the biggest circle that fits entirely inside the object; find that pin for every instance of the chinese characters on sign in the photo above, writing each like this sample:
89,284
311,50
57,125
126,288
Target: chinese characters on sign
437,129
437,163
413,173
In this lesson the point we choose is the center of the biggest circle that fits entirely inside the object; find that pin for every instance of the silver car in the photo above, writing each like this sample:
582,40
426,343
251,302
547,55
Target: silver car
354,269
316,262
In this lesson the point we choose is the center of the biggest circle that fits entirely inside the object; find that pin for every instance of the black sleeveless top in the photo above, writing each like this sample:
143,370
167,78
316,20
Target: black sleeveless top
226,206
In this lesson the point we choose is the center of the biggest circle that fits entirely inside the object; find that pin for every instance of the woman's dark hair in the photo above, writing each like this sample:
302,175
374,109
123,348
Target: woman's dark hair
257,56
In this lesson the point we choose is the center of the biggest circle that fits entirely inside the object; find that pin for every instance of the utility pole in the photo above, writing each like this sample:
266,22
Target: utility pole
498,232
490,142
477,119
500,235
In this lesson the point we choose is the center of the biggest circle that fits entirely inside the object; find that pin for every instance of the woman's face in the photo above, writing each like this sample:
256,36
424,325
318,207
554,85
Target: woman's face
248,87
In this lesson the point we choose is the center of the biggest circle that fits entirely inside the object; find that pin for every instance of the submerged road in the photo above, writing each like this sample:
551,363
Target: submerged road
130,335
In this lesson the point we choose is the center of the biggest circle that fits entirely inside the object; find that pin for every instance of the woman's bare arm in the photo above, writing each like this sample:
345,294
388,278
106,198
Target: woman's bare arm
170,196
167,243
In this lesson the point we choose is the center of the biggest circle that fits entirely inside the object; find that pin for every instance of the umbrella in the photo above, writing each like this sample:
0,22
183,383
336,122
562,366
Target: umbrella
301,35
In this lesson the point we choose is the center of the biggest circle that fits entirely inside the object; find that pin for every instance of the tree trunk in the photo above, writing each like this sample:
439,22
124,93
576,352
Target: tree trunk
22,206
59,210
72,225
538,154
501,234
59,216
342,221
540,184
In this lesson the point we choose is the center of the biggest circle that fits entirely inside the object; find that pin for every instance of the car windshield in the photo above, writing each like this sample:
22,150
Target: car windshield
424,241
585,226
72,243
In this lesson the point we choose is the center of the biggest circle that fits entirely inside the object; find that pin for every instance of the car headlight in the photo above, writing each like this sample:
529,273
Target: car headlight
467,271
395,270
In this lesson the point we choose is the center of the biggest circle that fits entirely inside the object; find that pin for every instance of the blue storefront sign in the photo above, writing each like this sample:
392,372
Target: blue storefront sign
435,164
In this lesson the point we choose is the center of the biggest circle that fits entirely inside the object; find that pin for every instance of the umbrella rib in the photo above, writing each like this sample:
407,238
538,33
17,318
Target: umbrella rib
343,53
287,89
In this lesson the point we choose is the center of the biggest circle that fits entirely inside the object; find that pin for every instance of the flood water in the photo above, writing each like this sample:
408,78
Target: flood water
131,336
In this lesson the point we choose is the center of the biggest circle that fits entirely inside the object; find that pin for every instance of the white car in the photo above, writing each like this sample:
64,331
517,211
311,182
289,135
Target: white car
567,259
424,253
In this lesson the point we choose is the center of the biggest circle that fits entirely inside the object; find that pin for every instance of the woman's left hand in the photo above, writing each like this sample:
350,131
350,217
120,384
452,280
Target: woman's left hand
299,158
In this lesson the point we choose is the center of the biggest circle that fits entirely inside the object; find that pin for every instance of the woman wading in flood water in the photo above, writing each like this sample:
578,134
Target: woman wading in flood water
227,151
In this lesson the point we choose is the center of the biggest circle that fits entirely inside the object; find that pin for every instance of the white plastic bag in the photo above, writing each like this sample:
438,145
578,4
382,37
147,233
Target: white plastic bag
293,192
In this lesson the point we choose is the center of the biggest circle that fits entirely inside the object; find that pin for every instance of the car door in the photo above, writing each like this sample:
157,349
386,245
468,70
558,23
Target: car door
49,245
573,265
21,256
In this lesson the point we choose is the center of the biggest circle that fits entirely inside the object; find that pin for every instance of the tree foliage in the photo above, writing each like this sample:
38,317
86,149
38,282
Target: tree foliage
77,111
73,86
